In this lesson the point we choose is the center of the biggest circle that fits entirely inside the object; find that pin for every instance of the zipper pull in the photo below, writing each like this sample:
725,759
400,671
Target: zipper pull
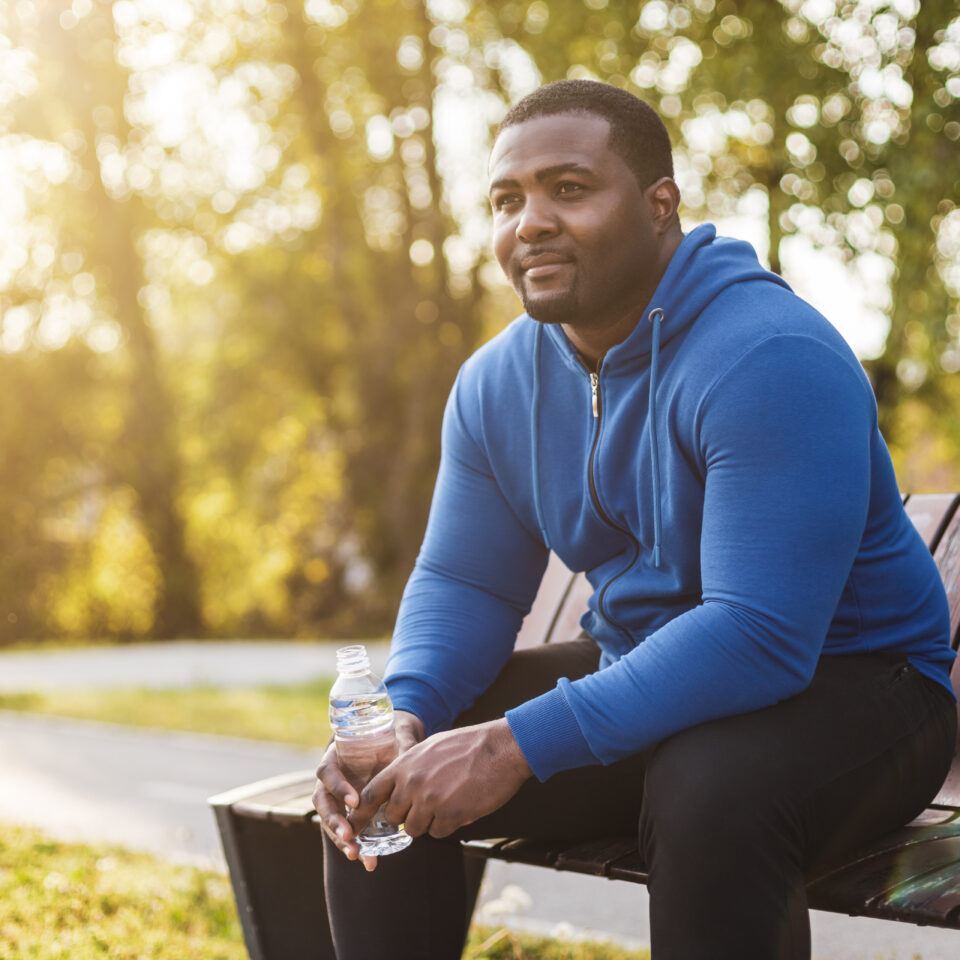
595,394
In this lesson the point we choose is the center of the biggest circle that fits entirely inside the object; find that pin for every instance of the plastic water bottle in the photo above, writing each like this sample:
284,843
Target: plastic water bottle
361,716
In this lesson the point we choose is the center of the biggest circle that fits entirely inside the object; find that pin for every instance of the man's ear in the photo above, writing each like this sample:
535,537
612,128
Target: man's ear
663,195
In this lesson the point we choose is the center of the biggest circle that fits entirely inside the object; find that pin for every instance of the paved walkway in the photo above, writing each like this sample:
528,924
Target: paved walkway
174,664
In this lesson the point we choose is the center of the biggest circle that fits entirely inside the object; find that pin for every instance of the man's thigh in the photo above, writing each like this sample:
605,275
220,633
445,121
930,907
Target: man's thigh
861,751
531,672
581,804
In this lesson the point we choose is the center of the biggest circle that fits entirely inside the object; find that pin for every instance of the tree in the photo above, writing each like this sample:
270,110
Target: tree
79,100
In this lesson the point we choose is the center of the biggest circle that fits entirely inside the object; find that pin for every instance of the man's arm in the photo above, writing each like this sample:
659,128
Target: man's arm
475,579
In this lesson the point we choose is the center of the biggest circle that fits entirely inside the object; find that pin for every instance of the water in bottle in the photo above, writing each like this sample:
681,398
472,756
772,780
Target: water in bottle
361,716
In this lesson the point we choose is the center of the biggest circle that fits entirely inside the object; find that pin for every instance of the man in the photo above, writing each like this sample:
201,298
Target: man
771,685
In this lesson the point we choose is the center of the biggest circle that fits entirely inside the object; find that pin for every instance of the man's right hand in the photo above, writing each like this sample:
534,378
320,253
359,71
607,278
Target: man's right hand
333,792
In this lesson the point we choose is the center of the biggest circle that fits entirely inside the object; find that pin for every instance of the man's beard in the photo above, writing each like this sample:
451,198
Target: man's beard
557,307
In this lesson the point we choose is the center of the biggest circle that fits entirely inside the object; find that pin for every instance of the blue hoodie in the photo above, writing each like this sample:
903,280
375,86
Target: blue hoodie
722,481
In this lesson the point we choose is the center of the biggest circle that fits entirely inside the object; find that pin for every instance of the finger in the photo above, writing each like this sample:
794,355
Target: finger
416,820
339,836
330,775
398,809
373,796
443,826
325,802
350,849
369,863
336,826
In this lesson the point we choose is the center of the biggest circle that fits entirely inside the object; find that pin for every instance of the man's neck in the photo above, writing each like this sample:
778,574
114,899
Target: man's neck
592,342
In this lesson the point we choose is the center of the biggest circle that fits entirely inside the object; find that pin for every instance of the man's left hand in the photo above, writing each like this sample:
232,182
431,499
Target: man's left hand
447,781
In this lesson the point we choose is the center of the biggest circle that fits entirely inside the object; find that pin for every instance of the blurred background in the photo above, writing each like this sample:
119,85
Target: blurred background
244,249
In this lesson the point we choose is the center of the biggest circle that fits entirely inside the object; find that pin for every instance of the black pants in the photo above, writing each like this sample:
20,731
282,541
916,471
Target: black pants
729,814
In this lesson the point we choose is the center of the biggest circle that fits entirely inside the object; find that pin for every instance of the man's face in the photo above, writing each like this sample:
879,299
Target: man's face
572,229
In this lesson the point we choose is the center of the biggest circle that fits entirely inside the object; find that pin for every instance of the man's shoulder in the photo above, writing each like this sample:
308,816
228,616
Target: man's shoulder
762,312
504,351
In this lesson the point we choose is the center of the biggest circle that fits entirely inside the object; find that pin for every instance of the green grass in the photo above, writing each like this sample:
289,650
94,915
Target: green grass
61,900
288,714
68,901
489,943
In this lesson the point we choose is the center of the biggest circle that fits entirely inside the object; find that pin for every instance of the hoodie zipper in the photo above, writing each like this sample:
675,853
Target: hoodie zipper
597,403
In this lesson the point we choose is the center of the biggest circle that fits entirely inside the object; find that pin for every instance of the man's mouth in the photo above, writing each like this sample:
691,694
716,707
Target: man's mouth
538,265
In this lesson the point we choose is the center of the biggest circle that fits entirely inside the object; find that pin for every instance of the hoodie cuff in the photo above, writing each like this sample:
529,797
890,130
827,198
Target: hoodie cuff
548,734
421,700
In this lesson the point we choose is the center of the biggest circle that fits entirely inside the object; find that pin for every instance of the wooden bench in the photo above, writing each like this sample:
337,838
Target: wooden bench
271,836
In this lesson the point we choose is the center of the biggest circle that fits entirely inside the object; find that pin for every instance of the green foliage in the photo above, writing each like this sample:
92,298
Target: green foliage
245,253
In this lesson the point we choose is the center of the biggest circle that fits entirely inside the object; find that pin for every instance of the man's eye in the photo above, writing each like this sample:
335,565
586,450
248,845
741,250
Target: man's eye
505,200
566,188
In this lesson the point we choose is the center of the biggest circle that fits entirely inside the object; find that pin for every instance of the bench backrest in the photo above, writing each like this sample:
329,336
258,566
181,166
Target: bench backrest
563,596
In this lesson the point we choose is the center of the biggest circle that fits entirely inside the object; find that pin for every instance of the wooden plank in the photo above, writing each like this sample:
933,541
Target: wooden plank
537,624
294,810
629,867
537,853
898,884
566,624
948,562
932,826
934,897
947,556
929,513
256,800
596,857
484,848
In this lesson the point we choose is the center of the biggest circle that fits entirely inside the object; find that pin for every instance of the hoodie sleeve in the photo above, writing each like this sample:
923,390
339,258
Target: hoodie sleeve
475,579
785,442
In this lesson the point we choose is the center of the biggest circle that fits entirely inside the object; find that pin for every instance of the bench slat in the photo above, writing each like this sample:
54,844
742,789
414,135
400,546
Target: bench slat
930,513
914,882
630,868
947,556
538,624
536,853
597,857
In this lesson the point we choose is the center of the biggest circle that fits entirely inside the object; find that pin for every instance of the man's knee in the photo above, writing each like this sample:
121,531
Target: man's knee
700,794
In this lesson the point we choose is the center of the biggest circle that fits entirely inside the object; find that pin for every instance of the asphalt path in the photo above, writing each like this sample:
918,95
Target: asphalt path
147,790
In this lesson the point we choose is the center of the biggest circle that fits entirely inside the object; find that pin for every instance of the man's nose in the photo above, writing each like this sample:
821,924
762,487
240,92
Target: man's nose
536,221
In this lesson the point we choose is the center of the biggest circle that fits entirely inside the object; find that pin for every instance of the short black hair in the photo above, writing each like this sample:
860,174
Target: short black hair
636,131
